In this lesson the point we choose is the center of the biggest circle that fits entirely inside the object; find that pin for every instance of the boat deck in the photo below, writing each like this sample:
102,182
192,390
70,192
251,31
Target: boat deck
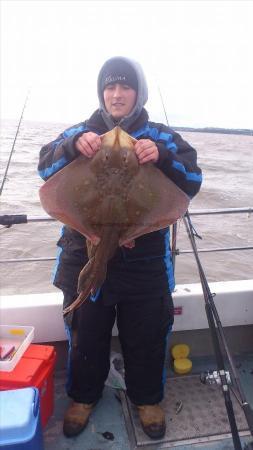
195,414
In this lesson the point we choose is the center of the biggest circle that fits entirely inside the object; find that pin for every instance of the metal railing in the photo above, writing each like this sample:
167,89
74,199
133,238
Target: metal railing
205,212
10,220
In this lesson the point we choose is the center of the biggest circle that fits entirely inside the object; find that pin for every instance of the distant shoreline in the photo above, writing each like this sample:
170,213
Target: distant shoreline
244,131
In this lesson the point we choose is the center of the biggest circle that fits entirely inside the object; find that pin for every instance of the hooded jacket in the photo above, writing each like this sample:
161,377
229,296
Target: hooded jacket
142,94
147,268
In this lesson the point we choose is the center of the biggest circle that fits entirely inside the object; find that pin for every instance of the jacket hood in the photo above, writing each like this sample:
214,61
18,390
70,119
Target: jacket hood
141,97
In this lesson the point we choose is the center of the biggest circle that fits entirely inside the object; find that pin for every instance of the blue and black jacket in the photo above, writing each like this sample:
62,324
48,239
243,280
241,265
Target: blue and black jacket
147,268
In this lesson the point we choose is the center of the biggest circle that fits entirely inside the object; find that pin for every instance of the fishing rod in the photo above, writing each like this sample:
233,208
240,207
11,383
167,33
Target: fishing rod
174,225
164,109
218,337
13,145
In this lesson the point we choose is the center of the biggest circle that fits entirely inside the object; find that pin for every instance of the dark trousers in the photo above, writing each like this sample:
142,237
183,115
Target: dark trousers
143,330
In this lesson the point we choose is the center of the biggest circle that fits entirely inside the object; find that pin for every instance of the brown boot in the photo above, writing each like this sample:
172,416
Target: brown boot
76,418
152,419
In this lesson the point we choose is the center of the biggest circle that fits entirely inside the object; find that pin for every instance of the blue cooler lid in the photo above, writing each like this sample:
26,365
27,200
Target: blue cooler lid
19,413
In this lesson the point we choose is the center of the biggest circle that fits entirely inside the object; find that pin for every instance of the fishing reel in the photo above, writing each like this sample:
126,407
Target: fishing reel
214,377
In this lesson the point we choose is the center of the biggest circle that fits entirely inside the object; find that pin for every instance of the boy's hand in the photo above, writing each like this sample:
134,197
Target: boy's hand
88,144
146,150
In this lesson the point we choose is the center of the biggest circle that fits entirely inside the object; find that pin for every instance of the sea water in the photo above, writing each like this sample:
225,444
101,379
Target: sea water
227,164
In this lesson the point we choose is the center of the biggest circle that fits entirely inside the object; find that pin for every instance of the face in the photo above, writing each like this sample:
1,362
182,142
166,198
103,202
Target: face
119,100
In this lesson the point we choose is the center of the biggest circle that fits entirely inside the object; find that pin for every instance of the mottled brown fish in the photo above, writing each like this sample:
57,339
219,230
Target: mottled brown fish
111,199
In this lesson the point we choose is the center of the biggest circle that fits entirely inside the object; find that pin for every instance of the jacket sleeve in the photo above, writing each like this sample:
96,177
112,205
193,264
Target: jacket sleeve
60,152
178,161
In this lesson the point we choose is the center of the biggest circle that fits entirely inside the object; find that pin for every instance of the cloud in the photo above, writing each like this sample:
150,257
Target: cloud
197,53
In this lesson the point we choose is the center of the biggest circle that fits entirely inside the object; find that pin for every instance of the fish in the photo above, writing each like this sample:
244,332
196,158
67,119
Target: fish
110,199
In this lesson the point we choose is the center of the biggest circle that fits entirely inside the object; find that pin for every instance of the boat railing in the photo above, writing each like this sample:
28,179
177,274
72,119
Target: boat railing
10,220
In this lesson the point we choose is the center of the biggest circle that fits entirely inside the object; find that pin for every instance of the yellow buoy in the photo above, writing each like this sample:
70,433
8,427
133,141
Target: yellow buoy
179,351
182,366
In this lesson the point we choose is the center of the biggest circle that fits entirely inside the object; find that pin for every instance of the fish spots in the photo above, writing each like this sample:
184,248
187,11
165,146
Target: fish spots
108,199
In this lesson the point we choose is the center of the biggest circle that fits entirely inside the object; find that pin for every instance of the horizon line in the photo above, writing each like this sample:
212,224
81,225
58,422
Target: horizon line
203,129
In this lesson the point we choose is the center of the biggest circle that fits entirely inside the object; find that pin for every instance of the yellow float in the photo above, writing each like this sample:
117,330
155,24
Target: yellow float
182,364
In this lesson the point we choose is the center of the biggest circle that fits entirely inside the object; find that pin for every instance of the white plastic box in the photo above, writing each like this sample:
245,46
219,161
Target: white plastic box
20,337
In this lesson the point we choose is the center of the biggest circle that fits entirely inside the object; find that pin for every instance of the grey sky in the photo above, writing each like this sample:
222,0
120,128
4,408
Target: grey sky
198,53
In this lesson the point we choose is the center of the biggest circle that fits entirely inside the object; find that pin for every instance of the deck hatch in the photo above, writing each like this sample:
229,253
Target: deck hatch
201,417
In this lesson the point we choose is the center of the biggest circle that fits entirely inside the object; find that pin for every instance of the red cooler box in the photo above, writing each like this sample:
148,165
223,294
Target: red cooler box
35,368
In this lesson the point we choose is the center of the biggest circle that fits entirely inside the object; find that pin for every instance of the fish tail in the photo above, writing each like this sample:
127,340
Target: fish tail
86,276
89,281
76,303
91,276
